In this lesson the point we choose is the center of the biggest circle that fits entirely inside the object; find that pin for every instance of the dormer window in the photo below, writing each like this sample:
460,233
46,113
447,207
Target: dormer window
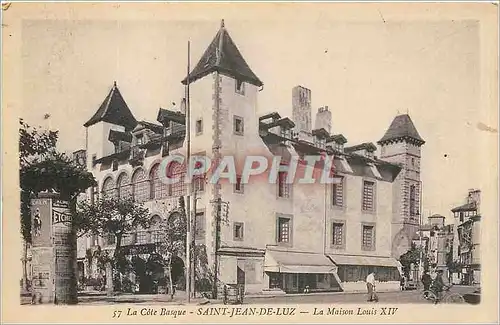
369,154
339,147
240,87
139,139
320,142
285,132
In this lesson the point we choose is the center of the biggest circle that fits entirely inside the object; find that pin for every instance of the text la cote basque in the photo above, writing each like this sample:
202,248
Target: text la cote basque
256,311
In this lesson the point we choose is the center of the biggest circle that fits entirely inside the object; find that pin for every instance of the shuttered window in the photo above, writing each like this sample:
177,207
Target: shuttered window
338,193
337,234
368,196
368,237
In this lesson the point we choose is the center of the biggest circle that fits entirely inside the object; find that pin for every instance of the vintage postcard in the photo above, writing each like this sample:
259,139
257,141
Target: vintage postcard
250,162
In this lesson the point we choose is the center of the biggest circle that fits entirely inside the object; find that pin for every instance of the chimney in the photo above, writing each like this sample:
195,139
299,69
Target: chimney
301,109
474,196
323,119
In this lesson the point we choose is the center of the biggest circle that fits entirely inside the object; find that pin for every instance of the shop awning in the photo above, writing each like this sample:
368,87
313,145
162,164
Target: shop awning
297,262
364,260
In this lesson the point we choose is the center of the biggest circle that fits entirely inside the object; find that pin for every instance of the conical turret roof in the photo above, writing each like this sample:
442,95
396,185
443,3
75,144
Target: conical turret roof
223,56
402,127
114,110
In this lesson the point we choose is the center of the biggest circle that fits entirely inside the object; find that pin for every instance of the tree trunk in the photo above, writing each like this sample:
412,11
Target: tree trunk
115,258
25,265
109,279
171,285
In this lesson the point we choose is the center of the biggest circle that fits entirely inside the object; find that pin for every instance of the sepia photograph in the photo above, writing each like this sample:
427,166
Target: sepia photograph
311,164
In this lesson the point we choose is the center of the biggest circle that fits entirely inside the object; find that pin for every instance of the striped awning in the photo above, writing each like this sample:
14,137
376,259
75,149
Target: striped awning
297,262
339,259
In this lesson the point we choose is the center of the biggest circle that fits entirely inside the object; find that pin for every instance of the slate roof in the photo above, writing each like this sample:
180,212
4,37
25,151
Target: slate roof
321,133
339,138
165,115
114,110
119,136
363,146
402,127
156,128
223,56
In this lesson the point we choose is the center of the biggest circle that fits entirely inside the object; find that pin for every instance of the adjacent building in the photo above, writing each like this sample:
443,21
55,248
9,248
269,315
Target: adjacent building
468,238
274,236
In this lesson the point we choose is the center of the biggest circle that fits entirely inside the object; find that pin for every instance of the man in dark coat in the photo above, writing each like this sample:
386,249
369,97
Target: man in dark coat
426,280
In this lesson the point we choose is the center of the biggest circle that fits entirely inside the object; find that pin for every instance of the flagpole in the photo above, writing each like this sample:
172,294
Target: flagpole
188,201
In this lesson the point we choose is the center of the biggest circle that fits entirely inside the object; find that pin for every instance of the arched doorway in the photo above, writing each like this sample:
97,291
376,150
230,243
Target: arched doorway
141,276
178,273
156,270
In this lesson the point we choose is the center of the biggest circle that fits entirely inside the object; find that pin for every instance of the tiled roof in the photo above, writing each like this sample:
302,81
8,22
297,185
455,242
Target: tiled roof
223,56
402,127
114,110
466,207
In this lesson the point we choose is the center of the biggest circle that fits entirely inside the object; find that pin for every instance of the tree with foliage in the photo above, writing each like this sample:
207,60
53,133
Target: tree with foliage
412,256
43,168
111,216
173,243
452,265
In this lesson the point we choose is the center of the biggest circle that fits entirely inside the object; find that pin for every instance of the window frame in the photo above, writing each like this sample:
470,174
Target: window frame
241,89
242,124
334,192
287,187
141,185
373,210
288,217
374,234
242,227
334,223
198,131
412,204
241,189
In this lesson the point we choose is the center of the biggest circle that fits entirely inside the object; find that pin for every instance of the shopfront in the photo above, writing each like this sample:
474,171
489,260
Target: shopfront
298,272
353,270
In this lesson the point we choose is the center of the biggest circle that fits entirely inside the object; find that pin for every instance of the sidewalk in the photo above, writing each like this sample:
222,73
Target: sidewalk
180,297
101,297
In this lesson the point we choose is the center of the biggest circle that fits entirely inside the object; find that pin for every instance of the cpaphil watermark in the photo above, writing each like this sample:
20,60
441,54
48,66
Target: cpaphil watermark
306,170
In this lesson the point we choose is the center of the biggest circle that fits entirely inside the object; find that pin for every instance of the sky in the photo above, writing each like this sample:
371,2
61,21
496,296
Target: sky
365,72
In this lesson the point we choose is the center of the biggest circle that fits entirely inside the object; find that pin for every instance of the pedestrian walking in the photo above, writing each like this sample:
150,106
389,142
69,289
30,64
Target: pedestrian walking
370,286
426,281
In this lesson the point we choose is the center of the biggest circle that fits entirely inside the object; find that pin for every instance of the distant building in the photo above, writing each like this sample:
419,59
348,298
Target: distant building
468,238
278,236
436,239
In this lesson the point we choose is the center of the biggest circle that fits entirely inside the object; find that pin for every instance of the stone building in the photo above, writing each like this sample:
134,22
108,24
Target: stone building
277,236
467,239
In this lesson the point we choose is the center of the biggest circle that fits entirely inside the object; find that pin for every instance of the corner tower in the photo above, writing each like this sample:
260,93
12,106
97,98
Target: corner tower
223,114
401,145
113,114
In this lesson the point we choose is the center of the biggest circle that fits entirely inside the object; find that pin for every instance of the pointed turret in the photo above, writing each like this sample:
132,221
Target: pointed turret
223,56
401,127
114,110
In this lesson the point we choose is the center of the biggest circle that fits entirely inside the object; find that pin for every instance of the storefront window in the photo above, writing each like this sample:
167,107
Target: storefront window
274,280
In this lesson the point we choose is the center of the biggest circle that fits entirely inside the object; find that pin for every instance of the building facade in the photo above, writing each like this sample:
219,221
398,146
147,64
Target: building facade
466,249
274,235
